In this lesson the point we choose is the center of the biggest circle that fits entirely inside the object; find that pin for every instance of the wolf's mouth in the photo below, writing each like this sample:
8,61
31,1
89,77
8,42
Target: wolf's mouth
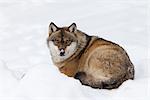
62,53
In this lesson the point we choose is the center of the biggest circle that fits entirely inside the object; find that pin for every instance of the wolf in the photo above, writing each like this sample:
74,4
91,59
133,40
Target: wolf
94,61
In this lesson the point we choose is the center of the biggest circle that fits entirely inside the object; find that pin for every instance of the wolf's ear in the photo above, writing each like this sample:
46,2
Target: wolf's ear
72,27
52,28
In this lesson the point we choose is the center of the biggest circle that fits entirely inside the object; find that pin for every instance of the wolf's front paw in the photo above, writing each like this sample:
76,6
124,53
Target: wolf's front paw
80,75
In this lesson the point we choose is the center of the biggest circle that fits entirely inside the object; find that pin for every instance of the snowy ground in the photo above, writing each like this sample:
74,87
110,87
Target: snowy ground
26,70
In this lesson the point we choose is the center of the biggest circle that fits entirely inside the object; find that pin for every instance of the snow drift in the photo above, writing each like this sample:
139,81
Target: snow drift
26,69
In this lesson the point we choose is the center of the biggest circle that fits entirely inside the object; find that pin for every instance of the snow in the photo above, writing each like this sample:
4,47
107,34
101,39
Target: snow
26,69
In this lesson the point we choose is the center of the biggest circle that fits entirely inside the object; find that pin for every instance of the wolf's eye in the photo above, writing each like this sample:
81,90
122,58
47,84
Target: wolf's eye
68,42
55,40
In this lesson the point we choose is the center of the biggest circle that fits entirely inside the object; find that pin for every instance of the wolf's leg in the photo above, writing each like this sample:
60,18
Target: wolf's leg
80,75
112,83
88,80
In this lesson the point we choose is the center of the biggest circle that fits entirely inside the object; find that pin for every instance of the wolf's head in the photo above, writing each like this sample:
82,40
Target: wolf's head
62,42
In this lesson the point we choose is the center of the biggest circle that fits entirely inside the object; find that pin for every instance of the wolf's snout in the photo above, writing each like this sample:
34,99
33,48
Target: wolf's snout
62,52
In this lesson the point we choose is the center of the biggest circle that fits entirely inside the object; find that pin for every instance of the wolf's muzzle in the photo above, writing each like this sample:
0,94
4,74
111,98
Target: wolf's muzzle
62,52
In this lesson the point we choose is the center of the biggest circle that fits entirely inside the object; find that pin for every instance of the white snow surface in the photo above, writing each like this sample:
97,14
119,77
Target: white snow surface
26,69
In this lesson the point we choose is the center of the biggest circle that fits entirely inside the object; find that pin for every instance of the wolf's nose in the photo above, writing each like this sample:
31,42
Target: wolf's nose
62,52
